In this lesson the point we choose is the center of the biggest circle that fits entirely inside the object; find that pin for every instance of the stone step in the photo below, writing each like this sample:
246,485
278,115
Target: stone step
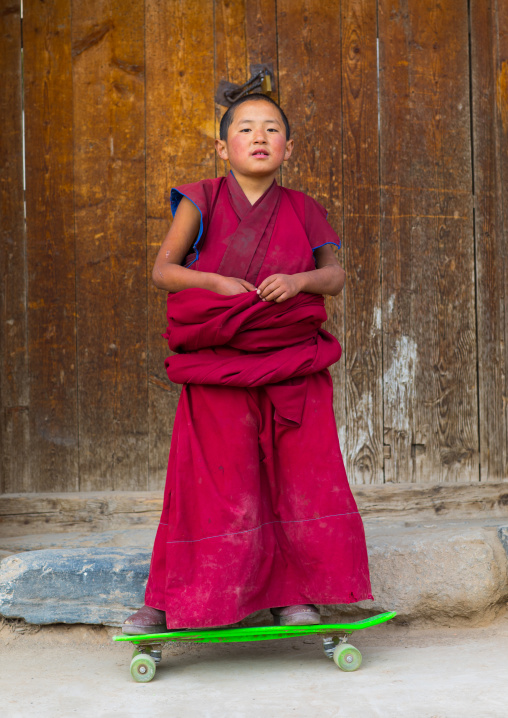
440,572
77,585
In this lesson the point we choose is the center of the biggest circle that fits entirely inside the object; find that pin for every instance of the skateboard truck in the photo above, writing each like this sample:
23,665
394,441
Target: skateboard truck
156,654
330,643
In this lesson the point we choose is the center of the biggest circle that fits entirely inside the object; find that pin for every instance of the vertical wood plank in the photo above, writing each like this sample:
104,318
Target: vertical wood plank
310,92
245,34
261,40
362,245
14,384
50,246
430,391
502,123
261,36
180,133
109,131
489,61
230,55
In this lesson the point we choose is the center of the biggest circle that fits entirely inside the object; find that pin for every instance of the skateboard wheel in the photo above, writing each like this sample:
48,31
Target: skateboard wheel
347,657
142,668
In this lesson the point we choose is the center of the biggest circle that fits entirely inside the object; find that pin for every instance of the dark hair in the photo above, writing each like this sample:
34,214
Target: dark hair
227,117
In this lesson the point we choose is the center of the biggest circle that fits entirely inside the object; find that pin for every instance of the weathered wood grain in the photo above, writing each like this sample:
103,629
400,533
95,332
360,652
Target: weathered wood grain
430,391
230,55
230,41
180,133
262,40
53,454
245,34
261,36
86,135
14,384
109,183
502,121
310,94
163,395
25,514
309,72
363,344
489,76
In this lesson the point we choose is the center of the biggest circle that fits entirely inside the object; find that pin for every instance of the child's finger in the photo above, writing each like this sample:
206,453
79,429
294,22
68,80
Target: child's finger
271,296
245,284
266,282
282,297
269,287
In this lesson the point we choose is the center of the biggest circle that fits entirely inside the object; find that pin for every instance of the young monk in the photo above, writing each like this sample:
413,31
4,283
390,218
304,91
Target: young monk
257,509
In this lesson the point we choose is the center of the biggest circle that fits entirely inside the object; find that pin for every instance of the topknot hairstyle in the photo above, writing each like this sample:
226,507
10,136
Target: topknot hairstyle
227,117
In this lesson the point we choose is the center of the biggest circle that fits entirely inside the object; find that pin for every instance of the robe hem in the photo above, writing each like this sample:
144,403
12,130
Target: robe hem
243,615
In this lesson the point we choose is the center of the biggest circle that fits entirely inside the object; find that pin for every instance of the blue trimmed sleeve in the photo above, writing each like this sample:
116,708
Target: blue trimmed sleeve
318,230
201,195
175,199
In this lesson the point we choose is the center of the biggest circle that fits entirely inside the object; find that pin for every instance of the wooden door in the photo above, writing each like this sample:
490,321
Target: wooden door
399,112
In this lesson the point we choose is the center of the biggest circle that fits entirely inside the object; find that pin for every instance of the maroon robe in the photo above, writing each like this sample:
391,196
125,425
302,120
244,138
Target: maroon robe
257,508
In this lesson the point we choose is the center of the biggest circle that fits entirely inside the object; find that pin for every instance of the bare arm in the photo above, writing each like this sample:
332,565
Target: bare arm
168,273
327,278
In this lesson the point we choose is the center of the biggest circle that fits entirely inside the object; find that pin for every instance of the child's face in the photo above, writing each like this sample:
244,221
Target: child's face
256,144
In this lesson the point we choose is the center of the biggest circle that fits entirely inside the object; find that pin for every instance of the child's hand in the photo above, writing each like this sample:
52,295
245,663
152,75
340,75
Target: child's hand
232,285
279,287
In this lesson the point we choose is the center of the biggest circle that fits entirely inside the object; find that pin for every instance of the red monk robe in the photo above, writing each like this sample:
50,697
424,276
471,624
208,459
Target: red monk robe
257,508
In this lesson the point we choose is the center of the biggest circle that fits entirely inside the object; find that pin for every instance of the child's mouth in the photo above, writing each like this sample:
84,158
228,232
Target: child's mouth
260,154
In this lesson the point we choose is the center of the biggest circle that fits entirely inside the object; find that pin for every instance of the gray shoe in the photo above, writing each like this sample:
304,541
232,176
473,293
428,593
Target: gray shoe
146,620
302,615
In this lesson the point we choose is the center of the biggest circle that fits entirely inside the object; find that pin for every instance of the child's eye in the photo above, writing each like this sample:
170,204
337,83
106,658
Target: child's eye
272,129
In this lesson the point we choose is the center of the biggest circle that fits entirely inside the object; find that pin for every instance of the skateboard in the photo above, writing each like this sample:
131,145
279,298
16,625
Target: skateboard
148,648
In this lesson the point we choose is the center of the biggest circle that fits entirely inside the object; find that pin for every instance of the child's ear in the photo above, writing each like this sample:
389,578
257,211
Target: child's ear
289,149
221,149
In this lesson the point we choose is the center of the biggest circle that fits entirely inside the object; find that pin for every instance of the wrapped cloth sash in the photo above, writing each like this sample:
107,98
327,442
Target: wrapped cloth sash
239,340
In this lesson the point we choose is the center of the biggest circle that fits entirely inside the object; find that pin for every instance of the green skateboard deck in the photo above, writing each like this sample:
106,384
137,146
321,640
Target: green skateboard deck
147,652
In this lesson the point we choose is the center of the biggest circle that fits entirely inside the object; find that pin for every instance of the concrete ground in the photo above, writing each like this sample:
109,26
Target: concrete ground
64,671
